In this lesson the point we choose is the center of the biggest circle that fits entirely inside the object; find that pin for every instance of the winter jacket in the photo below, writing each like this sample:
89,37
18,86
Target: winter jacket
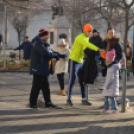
89,69
117,48
97,41
40,57
129,53
62,64
26,47
80,44
111,86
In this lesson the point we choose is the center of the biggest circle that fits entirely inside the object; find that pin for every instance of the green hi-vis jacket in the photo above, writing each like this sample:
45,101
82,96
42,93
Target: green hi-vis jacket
80,44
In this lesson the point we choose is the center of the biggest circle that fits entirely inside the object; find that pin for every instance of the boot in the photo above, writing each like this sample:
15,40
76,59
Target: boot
62,93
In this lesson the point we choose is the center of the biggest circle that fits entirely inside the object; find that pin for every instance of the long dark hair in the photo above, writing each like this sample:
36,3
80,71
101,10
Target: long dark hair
112,41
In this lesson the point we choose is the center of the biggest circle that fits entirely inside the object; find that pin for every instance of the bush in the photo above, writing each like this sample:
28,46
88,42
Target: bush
7,63
26,64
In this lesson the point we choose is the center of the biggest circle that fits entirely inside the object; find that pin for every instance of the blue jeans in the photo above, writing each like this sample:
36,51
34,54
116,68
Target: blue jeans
75,70
97,61
113,103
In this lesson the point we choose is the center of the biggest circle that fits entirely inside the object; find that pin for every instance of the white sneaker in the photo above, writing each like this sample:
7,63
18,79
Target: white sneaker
113,112
103,111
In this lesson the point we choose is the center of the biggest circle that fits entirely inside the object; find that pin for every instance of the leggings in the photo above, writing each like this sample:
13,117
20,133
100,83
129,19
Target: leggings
61,80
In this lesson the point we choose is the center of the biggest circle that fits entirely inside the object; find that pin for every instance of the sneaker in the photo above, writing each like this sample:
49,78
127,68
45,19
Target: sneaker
69,102
113,112
34,107
103,111
50,105
85,102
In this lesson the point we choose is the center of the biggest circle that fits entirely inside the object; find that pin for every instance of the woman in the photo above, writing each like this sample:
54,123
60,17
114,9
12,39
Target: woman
129,50
113,42
62,65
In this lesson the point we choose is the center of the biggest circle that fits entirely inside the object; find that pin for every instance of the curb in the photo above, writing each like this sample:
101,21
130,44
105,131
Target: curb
13,71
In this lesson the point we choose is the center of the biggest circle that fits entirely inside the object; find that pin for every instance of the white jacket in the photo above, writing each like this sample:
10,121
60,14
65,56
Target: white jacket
62,64
111,86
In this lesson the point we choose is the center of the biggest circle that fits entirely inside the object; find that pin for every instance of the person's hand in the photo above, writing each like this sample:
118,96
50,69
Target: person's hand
102,50
57,58
61,55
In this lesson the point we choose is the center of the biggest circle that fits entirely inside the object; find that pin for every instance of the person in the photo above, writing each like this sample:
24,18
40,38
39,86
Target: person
76,61
62,65
26,47
113,42
97,41
1,39
41,68
64,36
129,51
111,86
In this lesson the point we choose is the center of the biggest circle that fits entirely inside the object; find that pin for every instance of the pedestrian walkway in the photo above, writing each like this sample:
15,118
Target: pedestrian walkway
17,118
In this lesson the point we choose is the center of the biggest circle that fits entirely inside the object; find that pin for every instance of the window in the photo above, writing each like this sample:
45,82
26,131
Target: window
51,37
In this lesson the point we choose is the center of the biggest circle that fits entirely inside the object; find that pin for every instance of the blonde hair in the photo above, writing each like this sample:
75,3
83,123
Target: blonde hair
62,42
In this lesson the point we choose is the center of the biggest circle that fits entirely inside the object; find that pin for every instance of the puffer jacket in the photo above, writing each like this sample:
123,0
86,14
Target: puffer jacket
62,64
111,86
40,56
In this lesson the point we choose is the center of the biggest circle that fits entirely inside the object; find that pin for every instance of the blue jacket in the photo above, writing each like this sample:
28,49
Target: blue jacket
40,55
26,47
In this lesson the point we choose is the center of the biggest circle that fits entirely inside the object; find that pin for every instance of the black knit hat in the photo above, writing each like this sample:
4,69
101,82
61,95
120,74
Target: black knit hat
94,31
62,36
26,37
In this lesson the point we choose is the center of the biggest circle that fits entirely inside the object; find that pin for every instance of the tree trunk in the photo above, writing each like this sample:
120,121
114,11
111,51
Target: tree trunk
126,32
19,45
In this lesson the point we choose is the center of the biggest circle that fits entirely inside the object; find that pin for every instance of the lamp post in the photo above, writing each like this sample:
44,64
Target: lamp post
5,43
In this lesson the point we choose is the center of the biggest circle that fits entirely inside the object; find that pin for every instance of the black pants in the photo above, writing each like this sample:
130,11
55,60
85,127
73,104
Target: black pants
39,83
61,80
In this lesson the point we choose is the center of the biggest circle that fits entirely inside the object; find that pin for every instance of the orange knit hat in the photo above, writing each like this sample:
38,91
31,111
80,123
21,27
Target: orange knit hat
87,28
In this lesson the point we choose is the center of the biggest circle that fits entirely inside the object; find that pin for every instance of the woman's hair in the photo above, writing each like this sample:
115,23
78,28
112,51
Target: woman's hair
113,40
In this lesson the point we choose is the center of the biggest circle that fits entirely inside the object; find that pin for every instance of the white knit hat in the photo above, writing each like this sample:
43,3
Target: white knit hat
62,42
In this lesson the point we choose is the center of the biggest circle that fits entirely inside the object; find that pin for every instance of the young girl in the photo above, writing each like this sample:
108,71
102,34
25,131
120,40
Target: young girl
62,65
111,87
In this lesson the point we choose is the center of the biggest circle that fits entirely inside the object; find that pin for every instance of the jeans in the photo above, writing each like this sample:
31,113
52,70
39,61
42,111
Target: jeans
97,61
113,103
61,80
75,71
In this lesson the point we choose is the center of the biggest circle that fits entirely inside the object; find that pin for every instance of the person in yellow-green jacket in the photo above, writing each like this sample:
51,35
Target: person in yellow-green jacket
76,61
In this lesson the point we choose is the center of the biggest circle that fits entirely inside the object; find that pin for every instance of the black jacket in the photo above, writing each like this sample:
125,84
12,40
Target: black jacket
89,69
40,56
97,41
26,47
117,48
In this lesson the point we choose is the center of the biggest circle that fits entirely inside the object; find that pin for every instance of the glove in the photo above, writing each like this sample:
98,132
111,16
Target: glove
57,58
61,55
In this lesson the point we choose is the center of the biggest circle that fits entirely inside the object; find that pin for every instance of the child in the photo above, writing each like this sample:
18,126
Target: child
111,87
119,102
62,65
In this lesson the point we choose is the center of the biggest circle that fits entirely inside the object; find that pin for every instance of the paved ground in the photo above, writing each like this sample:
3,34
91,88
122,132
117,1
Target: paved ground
17,118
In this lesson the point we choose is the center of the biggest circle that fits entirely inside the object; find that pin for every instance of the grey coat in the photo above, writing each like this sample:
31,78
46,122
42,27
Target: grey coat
111,86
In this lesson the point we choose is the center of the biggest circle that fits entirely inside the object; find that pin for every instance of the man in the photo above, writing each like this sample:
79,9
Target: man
26,47
41,68
1,39
97,41
76,58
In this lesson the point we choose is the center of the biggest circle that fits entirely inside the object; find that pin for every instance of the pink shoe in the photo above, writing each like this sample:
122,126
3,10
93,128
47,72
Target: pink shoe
103,111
